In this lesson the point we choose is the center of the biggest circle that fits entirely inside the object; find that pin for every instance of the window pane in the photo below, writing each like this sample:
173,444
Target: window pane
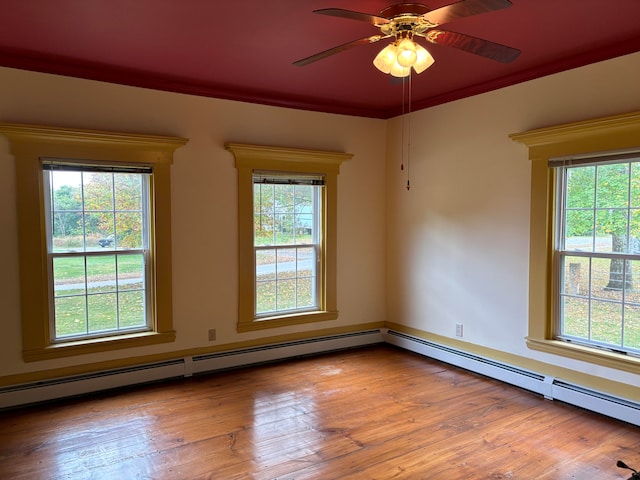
265,296
283,198
66,210
71,316
67,231
130,272
611,230
576,276
632,327
128,191
635,185
69,276
129,230
266,264
612,187
131,309
285,234
607,278
287,264
264,224
283,214
576,317
263,228
580,187
66,185
606,322
103,313
98,192
579,230
632,281
101,274
286,299
306,292
306,261
285,279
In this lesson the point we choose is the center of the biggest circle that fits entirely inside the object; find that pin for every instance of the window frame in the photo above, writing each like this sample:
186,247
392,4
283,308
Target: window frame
144,250
316,244
30,145
250,159
562,253
603,136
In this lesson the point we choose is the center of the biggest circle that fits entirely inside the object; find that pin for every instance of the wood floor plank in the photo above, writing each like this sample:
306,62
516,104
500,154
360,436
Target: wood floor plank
371,413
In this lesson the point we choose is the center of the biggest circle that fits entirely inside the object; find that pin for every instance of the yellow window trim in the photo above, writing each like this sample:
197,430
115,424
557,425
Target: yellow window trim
255,157
30,143
609,134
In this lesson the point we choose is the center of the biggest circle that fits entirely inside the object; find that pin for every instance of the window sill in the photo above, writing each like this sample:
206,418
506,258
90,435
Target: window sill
592,355
83,347
286,320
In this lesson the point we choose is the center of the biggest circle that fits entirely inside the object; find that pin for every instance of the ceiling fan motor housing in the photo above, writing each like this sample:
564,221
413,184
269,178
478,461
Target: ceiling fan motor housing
405,19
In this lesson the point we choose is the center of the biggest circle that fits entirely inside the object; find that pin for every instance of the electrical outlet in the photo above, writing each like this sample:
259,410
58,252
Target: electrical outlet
212,334
459,332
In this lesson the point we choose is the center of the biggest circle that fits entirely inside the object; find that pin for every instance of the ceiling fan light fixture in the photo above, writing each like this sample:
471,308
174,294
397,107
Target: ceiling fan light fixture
407,52
423,59
399,57
398,70
385,60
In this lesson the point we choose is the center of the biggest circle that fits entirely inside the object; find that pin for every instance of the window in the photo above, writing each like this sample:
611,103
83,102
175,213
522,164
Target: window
598,254
94,225
98,229
287,242
583,252
287,235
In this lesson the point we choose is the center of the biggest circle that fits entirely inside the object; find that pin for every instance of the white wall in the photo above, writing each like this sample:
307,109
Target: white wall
458,242
456,245
204,200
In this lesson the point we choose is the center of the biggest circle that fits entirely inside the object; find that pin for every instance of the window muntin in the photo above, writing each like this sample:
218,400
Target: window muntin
287,243
98,225
598,255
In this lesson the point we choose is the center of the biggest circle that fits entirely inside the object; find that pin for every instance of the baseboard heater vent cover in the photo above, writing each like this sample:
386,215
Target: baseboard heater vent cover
551,388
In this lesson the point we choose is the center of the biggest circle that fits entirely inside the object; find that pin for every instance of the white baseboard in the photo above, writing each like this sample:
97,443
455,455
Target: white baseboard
183,367
551,388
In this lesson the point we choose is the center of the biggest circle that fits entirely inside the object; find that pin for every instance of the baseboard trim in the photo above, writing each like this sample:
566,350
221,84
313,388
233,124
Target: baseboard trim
74,385
551,388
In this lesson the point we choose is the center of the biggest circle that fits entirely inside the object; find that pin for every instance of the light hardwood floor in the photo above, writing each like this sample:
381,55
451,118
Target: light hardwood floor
371,413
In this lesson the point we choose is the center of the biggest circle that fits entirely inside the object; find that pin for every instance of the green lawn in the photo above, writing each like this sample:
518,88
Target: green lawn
605,308
72,268
108,307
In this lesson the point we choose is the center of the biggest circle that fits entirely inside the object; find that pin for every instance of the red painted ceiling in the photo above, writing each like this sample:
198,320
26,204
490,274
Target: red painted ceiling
244,49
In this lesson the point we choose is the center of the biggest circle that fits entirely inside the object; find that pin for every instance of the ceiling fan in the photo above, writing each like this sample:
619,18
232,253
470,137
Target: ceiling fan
405,21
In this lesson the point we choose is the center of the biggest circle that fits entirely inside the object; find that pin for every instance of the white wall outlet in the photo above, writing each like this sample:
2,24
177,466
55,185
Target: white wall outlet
212,334
459,331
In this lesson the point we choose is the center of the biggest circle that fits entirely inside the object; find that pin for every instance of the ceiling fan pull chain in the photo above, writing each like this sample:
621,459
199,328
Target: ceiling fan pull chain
402,128
409,133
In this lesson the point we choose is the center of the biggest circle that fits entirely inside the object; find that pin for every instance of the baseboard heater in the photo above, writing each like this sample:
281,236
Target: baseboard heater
74,385
28,393
280,351
550,387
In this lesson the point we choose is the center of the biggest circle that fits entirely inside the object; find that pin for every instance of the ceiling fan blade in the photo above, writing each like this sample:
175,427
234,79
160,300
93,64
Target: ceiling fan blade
338,49
478,46
464,8
350,14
